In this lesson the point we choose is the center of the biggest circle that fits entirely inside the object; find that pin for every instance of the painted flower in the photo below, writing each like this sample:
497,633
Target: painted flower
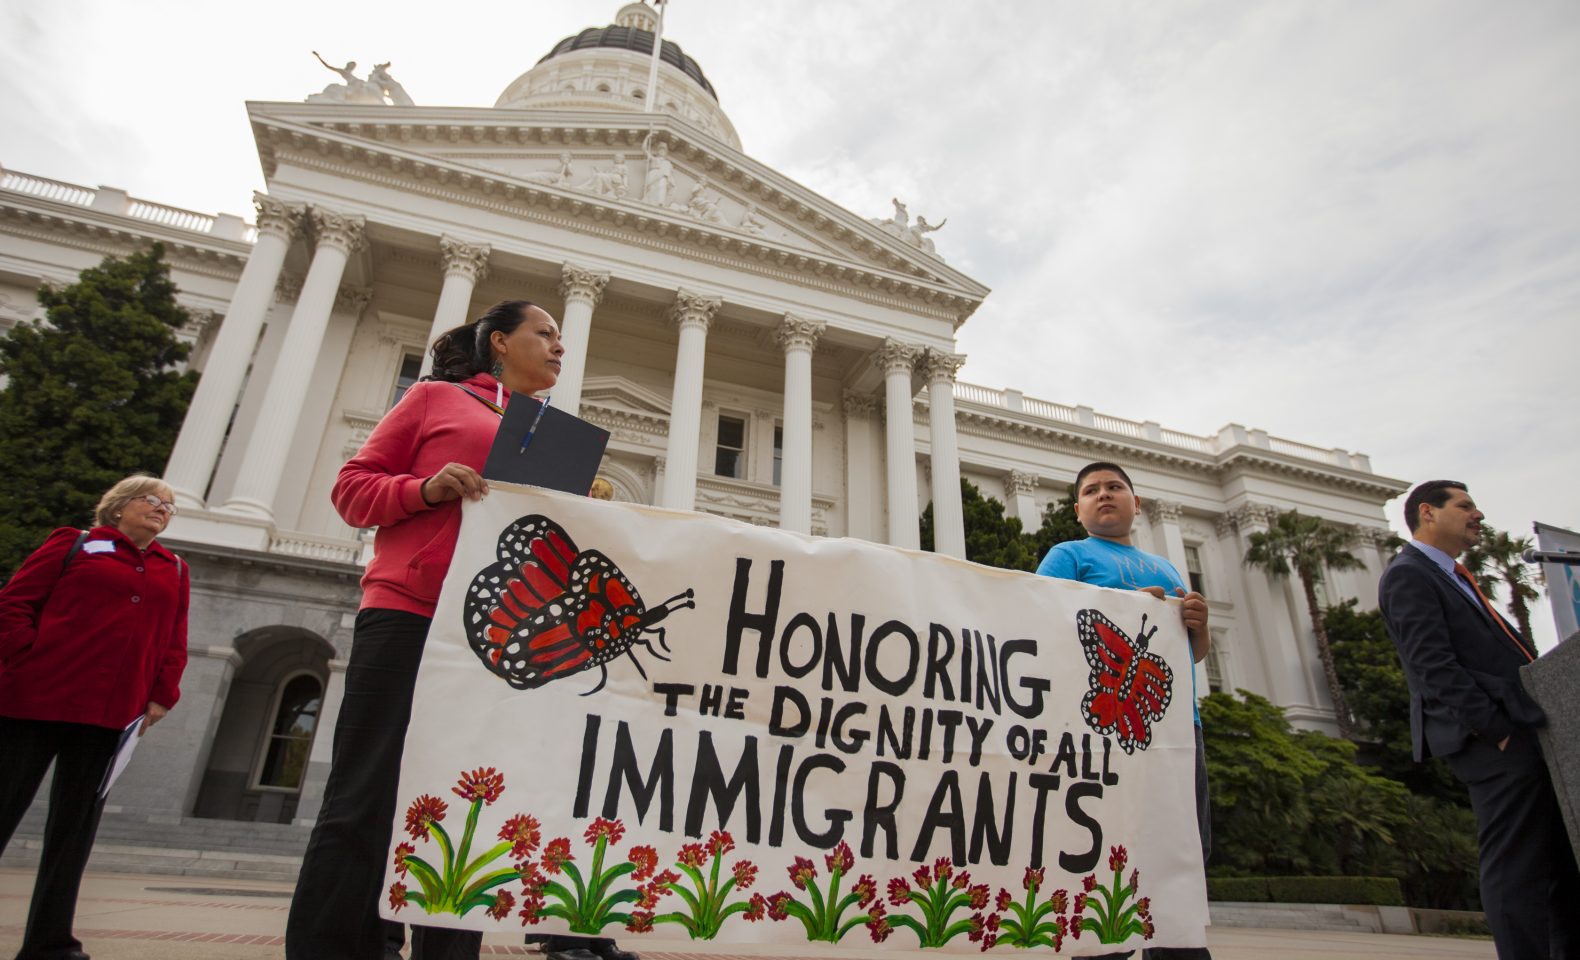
779,906
745,875
532,879
840,858
866,890
424,810
801,871
613,829
397,896
961,880
878,926
484,783
923,877
1059,900
979,896
641,922
525,834
1147,929
943,868
646,860
529,909
665,878
1080,903
504,902
1034,877
989,942
1089,883
756,908
977,924
1117,858
720,842
1004,900
1144,906
1135,879
557,854
899,891
692,855
401,852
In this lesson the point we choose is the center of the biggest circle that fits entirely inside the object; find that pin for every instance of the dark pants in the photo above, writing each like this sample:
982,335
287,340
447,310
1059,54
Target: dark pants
81,753
1204,830
335,910
1529,885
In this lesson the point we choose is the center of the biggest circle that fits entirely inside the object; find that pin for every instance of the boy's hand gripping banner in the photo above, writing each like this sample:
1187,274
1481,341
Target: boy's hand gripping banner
692,733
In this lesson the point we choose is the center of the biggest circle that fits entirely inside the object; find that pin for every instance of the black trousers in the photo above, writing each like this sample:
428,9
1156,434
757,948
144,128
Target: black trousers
335,910
1529,885
80,753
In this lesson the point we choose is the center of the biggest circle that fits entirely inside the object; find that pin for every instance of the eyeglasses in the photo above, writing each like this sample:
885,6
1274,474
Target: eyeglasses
153,501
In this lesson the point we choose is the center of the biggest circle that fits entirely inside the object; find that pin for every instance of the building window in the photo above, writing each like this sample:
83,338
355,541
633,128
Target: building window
730,458
1214,663
779,452
291,734
410,370
1198,582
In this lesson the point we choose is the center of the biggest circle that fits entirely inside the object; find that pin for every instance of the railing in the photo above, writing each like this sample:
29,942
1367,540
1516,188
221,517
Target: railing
170,216
46,188
1303,450
1051,411
1188,441
986,396
310,547
1125,428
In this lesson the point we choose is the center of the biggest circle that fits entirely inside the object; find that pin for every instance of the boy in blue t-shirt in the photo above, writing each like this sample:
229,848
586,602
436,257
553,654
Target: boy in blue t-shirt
1106,504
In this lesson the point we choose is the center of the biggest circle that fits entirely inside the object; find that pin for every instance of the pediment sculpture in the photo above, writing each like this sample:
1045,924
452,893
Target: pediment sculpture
379,87
900,226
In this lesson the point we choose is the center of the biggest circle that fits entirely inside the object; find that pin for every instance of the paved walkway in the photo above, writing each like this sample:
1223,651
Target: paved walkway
132,917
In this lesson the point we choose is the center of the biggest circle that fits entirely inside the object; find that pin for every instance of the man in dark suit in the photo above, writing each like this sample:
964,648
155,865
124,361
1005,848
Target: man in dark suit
1462,661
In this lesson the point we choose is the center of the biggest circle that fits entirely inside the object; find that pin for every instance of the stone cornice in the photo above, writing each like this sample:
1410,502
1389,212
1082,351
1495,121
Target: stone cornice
798,333
333,141
582,284
693,309
462,259
107,234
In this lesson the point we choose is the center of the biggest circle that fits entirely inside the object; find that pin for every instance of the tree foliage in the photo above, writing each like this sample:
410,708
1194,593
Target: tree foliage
1307,547
1495,562
995,540
93,395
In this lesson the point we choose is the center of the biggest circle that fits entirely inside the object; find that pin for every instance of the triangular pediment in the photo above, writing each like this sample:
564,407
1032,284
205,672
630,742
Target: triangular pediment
620,394
649,173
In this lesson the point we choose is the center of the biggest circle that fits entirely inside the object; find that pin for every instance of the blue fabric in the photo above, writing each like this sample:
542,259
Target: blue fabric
1120,566
1447,564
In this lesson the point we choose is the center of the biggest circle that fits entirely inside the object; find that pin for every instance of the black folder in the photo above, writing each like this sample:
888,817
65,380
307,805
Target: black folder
563,452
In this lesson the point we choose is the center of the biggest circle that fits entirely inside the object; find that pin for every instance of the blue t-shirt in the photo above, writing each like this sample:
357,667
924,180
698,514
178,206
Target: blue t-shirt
1104,563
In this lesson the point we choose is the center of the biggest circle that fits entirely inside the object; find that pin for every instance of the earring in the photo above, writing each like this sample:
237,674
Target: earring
498,369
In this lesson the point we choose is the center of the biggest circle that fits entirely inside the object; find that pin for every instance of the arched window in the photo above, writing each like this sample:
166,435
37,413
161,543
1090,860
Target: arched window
291,733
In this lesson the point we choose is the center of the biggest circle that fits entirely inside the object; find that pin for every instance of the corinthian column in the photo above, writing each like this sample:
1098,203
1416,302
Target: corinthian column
797,336
203,431
693,313
895,359
949,530
338,236
582,290
465,264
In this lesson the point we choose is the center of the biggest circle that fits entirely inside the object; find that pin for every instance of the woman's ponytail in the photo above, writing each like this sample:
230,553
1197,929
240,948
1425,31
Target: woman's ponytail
467,350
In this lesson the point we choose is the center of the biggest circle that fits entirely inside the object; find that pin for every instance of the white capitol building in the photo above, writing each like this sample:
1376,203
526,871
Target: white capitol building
755,350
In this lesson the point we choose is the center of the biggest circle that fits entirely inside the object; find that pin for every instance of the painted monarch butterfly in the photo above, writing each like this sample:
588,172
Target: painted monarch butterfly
1130,688
546,610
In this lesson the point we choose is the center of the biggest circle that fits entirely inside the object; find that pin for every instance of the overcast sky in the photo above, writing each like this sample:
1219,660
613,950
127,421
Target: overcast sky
1352,224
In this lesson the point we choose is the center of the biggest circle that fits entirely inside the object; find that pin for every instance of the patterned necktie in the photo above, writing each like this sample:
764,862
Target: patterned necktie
1464,572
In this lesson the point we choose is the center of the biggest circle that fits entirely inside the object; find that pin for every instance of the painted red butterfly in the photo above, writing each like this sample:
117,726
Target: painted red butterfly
1130,687
546,610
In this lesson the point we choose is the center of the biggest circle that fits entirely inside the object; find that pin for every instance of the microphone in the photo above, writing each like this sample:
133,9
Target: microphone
1569,557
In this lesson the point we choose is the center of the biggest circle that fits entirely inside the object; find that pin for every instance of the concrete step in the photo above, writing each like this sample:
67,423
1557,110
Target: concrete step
111,857
1295,916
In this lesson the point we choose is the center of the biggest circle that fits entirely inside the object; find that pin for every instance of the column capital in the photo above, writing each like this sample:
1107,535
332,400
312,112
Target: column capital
859,406
798,333
276,217
693,309
353,299
1019,482
343,231
580,283
1162,511
895,356
941,367
1246,518
287,289
462,259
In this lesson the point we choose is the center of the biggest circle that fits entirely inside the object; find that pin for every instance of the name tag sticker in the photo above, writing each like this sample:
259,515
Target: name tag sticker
99,546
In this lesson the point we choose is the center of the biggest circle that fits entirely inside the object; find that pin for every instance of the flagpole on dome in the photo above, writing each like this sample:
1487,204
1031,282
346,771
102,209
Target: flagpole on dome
652,69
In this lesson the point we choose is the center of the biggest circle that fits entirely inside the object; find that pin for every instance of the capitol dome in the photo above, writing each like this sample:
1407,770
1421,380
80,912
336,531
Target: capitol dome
605,68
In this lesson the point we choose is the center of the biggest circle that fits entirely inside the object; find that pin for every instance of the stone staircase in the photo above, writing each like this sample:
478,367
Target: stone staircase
1297,916
185,846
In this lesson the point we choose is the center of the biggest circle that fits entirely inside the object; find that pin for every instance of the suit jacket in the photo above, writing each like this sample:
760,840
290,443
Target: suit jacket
1463,671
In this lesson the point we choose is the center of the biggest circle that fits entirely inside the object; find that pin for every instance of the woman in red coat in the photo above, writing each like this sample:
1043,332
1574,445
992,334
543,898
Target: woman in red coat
93,635
408,480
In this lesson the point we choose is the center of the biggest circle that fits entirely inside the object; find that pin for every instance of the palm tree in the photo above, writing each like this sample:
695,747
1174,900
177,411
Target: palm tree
1497,558
1308,546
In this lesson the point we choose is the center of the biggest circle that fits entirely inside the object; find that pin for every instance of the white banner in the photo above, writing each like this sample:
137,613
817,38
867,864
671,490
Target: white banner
1563,580
671,727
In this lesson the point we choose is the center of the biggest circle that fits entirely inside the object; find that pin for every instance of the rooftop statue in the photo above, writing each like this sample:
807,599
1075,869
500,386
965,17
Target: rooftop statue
900,226
374,89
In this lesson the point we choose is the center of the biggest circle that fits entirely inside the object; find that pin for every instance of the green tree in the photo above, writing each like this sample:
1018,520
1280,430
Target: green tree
1308,546
93,395
1058,525
992,539
1495,561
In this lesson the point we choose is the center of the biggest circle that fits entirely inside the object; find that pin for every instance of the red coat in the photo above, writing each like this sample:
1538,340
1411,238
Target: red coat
434,423
94,642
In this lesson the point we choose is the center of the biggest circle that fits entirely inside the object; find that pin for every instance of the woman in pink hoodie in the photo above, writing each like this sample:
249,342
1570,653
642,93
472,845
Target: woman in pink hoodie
408,480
